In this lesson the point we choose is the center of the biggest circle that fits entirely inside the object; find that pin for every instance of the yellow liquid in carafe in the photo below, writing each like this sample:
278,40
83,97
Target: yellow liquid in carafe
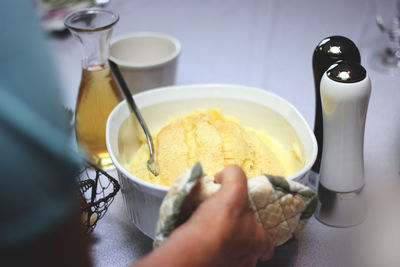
97,97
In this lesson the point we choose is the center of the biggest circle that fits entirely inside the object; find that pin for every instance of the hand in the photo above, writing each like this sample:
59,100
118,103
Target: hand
237,238
248,240
221,232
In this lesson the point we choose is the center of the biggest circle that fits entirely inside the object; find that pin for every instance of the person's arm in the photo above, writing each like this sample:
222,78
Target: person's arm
221,232
64,244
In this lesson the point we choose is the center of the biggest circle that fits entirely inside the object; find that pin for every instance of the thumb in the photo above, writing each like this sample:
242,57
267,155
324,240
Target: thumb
233,185
231,174
268,248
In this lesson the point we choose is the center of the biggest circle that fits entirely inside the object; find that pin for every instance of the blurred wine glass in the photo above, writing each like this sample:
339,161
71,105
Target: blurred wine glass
101,3
387,60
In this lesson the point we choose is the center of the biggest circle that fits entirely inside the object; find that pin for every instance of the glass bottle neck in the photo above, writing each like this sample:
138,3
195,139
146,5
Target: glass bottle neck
94,47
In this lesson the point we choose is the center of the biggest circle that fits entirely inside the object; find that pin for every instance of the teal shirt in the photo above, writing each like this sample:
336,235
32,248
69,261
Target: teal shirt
37,166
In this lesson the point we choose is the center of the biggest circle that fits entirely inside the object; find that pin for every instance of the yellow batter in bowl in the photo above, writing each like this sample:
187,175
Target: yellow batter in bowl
216,141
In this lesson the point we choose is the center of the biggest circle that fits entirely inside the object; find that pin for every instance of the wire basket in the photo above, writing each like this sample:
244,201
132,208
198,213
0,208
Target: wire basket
98,190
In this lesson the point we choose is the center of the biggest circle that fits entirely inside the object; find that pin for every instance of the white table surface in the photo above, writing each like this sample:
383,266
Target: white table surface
266,44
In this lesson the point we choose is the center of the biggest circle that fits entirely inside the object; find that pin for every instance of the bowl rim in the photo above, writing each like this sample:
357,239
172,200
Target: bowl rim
164,189
153,64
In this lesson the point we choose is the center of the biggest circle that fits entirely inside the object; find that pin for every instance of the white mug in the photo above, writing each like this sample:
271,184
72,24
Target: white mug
146,60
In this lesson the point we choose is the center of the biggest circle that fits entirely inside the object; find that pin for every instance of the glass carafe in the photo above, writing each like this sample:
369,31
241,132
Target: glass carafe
98,92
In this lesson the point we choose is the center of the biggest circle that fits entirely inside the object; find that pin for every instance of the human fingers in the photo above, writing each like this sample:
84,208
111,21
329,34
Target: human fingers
230,174
233,180
268,247
233,185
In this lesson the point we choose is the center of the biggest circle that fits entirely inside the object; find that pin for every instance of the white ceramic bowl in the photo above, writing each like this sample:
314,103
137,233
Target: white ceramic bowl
146,60
252,107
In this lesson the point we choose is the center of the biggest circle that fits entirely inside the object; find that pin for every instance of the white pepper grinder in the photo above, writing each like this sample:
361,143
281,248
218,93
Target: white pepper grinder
345,91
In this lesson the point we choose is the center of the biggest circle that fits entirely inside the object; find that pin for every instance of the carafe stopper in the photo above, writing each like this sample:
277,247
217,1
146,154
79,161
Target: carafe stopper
345,92
328,51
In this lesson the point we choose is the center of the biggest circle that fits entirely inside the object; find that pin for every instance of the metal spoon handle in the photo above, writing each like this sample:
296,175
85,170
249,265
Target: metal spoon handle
151,163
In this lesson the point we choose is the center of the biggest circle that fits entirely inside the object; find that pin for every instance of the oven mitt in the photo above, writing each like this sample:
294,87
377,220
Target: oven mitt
281,206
